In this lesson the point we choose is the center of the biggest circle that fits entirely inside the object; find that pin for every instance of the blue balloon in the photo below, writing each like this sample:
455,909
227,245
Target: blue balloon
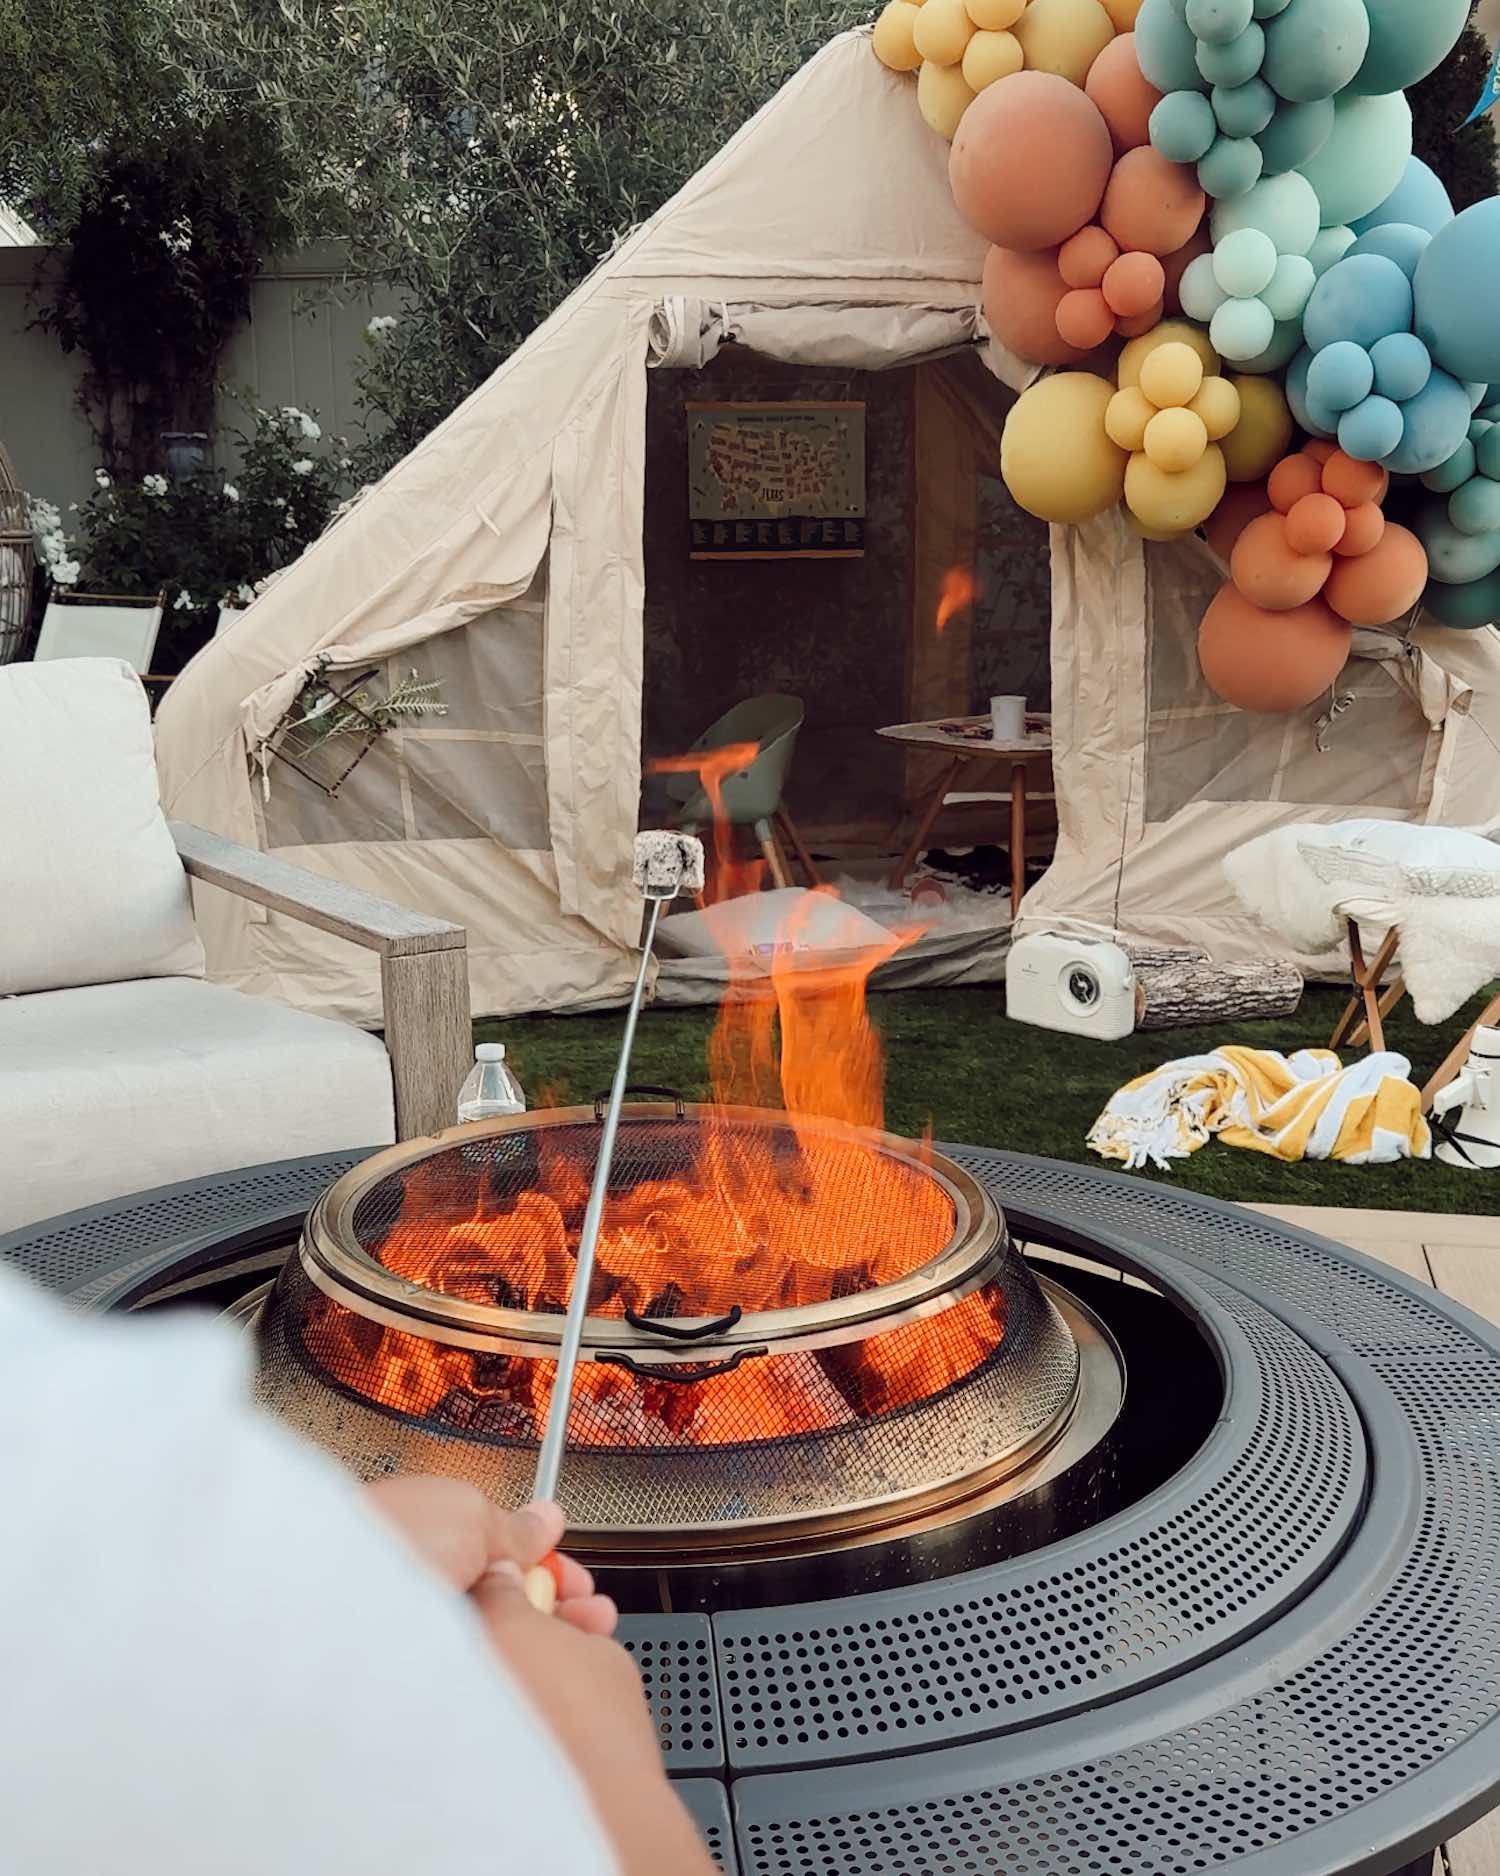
1455,557
1475,508
1235,63
1244,110
1487,453
1231,169
1398,242
1296,134
1314,47
1453,473
1419,200
1278,354
1183,127
1218,21
1464,608
1408,39
1363,297
1371,430
1341,376
1457,292
1165,47
1315,420
1402,364
1436,422
1477,394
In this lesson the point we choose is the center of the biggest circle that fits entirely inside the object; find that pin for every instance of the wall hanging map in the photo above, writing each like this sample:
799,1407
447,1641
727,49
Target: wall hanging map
776,481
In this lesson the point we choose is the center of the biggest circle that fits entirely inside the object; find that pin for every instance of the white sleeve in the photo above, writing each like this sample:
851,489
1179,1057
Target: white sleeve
215,1661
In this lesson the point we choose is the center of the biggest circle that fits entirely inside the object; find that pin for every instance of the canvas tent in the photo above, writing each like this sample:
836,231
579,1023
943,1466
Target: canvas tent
504,557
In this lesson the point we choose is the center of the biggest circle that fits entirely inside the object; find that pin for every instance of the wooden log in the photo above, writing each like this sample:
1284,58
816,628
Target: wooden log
1197,991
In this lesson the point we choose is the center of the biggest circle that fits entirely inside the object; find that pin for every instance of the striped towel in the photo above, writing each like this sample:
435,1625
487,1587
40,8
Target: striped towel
1303,1106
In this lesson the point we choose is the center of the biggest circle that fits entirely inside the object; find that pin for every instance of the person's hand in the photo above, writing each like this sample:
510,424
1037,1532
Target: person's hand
457,1532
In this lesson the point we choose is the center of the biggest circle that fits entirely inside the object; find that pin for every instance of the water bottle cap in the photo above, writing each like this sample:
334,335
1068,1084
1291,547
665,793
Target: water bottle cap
490,1052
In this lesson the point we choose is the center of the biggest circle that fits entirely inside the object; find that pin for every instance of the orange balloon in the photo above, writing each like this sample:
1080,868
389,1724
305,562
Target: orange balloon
1030,161
1352,482
1315,525
1242,502
1320,449
1022,293
1380,586
1087,257
1142,323
1363,527
1125,97
1269,571
1134,284
1270,662
1084,318
1291,479
1151,204
1176,265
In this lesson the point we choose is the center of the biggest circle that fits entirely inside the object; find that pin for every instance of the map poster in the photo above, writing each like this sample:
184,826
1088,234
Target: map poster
776,481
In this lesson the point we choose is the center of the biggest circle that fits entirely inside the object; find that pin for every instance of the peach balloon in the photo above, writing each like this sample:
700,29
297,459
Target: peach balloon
1270,572
1084,318
1021,294
1320,449
1270,662
1315,525
1243,502
1291,479
1134,284
1142,322
1030,161
1084,260
1152,204
1354,483
1363,527
1378,587
1125,97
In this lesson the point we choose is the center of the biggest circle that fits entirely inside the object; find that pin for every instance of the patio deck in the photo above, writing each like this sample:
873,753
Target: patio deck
1460,1256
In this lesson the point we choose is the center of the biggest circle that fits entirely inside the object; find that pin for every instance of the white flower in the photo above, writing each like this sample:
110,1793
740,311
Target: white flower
231,493
244,594
65,572
303,466
154,485
178,239
312,431
382,323
183,602
279,502
102,479
289,521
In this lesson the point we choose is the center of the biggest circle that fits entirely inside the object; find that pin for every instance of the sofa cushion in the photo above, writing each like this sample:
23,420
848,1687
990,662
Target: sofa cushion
115,1088
1396,858
92,881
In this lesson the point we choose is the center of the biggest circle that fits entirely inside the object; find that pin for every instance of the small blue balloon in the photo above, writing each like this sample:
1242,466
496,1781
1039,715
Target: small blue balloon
1397,242
1329,247
1371,430
1487,453
1436,422
1341,376
1218,21
1244,110
1183,127
1455,557
1453,473
1296,134
1165,48
1475,508
1268,9
1477,394
1316,421
1363,297
1402,364
1419,200
1231,168
1235,63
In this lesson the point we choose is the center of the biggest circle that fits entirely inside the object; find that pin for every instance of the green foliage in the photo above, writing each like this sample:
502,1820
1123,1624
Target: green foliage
1465,157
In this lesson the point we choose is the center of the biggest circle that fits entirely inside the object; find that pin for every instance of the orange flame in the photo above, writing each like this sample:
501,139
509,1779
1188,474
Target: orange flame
957,592
731,878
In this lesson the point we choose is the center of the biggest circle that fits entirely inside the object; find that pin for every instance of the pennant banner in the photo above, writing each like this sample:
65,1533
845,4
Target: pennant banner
1490,96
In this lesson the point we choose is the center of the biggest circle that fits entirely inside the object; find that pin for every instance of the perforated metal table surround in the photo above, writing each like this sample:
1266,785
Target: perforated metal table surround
1285,1662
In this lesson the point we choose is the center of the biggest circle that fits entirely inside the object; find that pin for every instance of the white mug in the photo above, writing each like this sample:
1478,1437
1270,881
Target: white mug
1008,715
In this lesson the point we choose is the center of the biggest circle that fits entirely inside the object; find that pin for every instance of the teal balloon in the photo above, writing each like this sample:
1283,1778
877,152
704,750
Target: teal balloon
1455,558
1475,508
1419,200
1218,20
1284,346
1245,263
1341,376
1479,429
1244,110
1402,364
1314,47
1183,127
1165,48
1330,247
1199,290
1361,298
1477,394
1405,246
1241,329
1487,453
1268,9
1436,421
1283,207
1408,39
1363,160
1313,419
1458,292
1296,133
1464,608
1451,475
1231,169
1235,63
1371,430
1290,289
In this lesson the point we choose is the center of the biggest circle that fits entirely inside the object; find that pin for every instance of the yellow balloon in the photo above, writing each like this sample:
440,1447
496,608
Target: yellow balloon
994,16
942,31
1063,36
1218,404
1263,434
1172,375
1056,456
1176,440
1175,503
1153,534
1169,332
1123,13
989,57
942,95
1126,419
895,37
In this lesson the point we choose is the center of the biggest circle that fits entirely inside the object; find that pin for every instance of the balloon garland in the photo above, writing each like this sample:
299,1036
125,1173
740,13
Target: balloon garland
1207,217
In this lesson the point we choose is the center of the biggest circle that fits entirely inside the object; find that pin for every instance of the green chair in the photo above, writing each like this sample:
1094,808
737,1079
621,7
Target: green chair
752,796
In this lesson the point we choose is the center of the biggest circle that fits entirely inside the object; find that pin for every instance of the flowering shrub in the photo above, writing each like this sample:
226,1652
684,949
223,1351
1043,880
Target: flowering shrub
205,542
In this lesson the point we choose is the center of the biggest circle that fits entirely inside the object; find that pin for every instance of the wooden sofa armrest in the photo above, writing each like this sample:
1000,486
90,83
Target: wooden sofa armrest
424,974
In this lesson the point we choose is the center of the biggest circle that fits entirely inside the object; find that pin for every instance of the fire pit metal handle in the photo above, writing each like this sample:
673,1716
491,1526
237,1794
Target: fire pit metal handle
685,1375
680,1332
601,1101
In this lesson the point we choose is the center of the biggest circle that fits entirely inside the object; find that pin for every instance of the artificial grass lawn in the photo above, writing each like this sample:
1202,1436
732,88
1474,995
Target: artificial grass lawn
955,1059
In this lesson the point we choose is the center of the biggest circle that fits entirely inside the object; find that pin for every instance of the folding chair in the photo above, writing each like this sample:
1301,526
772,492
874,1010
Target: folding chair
99,625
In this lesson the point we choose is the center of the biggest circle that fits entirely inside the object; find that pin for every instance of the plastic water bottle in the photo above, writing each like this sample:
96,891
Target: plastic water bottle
491,1089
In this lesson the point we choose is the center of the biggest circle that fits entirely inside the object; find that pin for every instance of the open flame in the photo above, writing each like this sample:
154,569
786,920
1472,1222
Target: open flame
729,877
956,594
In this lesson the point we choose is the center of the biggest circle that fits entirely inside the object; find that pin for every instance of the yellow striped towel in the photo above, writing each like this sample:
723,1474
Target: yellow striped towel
1303,1106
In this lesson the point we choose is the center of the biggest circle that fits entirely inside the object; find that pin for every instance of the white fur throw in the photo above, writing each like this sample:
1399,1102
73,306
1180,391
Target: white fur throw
1292,881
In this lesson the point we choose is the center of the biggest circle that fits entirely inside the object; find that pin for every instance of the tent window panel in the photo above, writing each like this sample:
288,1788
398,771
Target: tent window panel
490,670
467,788
367,807
1187,755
